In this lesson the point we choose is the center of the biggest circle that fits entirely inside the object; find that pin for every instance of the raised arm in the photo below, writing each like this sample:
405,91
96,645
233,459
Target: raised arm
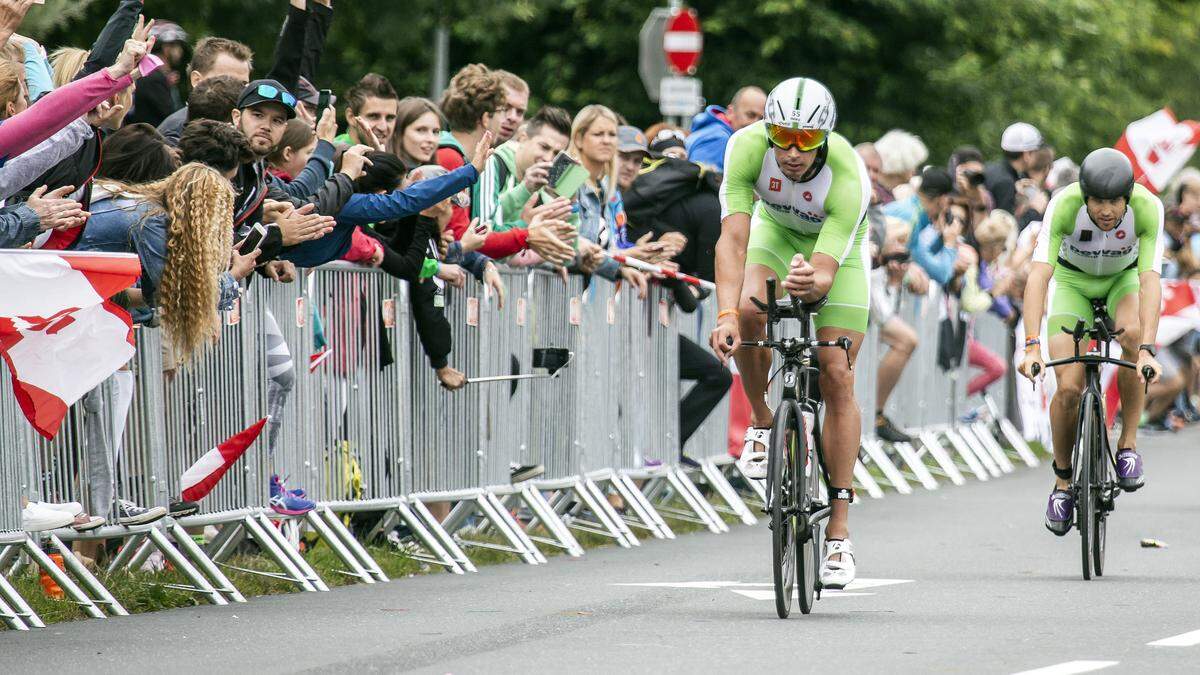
289,51
112,38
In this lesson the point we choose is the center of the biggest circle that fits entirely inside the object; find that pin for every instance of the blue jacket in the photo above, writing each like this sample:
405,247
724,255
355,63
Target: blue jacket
710,133
926,243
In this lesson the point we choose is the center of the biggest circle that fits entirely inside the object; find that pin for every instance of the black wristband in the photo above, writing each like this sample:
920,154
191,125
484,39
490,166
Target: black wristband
1149,349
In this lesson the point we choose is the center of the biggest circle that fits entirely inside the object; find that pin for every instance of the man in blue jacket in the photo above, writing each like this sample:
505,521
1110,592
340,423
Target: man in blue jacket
712,128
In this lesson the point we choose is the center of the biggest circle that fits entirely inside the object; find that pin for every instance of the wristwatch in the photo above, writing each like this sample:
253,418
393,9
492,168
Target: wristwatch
1149,349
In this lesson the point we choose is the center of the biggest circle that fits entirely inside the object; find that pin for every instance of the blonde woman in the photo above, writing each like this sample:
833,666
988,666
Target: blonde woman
181,229
601,212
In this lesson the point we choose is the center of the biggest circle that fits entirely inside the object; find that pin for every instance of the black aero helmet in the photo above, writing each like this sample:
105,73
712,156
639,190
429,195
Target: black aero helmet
1106,174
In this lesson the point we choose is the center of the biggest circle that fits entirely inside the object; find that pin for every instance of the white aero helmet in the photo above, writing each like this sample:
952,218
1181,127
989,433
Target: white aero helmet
801,112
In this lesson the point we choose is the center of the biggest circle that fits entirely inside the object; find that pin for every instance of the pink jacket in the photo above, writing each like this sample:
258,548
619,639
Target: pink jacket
56,110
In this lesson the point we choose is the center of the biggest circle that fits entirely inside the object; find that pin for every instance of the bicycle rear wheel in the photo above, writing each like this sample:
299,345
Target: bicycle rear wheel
1085,502
781,475
808,473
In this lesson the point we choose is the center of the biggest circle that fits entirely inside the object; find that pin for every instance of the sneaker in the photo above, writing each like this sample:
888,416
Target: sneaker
129,513
288,503
837,574
181,507
84,522
753,462
1060,511
887,431
36,517
523,472
73,508
687,463
1129,470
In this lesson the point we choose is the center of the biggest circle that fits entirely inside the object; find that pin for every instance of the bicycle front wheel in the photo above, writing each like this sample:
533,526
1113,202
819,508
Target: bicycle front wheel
781,475
808,534
1101,479
1085,497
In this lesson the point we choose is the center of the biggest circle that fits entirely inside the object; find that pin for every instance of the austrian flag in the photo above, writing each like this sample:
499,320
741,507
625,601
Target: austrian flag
203,476
60,334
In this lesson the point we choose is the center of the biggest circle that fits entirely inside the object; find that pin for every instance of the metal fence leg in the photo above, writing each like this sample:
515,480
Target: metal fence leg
549,519
447,541
8,615
930,440
226,542
610,512
273,545
717,480
757,487
930,444
509,527
644,520
339,530
200,583
128,551
916,465
298,560
432,542
984,451
866,480
641,497
878,455
316,522
987,467
1010,433
687,487
17,604
61,578
984,434
193,551
601,510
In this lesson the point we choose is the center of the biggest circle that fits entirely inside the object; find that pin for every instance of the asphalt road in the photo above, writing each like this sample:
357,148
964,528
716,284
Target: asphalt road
986,589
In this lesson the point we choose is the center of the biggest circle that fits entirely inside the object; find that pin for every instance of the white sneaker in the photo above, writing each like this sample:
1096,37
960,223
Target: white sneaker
37,518
837,574
753,462
73,508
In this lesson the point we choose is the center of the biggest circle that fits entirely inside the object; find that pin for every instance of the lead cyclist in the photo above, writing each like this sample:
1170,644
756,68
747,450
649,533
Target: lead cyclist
808,231
1101,238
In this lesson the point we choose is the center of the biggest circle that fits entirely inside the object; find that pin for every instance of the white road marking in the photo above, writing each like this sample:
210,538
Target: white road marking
1183,640
770,595
1070,668
857,584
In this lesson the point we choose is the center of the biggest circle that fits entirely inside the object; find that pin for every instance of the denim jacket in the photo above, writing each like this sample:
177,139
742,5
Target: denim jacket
126,225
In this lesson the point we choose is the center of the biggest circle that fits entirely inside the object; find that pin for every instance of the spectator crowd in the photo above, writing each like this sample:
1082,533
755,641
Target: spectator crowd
171,149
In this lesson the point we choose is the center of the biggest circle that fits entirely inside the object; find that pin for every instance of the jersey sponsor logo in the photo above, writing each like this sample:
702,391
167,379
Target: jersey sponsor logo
775,185
807,196
809,216
1105,253
1120,234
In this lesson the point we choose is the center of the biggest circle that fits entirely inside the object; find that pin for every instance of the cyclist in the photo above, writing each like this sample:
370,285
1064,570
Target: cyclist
1101,238
806,230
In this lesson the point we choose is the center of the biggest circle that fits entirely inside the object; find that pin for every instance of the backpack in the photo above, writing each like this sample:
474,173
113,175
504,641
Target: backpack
662,183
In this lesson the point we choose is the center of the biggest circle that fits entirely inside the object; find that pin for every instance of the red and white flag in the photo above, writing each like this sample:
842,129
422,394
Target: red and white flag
59,333
203,476
1159,146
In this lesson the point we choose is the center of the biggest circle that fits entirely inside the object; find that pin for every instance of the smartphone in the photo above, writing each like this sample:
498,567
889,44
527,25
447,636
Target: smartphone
253,239
566,176
324,100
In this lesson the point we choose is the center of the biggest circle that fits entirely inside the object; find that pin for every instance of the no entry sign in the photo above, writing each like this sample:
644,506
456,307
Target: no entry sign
683,42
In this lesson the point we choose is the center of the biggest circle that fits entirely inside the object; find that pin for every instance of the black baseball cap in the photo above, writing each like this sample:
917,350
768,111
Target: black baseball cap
267,91
936,182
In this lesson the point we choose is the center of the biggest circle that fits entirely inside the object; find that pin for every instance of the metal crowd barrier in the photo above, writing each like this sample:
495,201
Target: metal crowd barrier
376,442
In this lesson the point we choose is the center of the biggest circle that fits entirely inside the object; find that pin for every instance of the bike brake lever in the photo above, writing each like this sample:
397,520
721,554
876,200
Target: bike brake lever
845,343
1147,375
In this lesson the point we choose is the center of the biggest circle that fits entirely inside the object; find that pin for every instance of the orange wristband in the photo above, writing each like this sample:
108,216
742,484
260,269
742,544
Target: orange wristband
727,312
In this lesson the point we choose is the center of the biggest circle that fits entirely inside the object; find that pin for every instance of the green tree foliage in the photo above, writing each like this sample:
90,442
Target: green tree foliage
953,71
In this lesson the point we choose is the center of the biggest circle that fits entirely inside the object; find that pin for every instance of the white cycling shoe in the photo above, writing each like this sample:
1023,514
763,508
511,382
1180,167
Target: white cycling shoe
753,462
837,574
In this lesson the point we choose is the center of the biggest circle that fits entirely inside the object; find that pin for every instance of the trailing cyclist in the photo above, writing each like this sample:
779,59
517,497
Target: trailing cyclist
809,227
1101,238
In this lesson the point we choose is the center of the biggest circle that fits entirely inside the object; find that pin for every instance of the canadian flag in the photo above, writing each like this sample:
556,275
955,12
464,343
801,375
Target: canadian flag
59,333
203,476
1159,146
